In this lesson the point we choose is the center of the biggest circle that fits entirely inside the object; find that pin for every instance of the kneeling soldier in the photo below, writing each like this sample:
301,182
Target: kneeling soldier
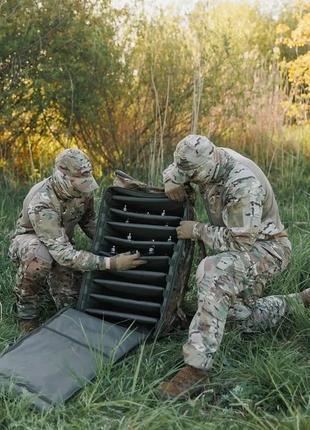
251,247
42,244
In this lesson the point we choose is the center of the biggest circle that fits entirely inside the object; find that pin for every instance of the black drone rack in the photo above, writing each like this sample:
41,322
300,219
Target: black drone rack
143,221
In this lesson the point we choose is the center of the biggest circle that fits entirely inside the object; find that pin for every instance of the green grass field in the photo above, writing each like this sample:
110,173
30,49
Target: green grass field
259,382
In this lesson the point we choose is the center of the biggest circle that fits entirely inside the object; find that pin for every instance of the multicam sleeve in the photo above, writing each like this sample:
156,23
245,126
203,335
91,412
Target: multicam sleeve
174,175
88,221
47,225
242,213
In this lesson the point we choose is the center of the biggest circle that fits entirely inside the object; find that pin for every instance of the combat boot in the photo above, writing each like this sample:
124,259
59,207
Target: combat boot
305,297
29,325
188,381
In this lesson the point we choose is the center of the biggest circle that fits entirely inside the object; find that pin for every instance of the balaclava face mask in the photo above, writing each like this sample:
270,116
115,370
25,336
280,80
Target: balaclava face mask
72,175
197,160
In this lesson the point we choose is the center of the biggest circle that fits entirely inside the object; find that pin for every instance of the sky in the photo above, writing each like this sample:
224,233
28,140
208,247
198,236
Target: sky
183,6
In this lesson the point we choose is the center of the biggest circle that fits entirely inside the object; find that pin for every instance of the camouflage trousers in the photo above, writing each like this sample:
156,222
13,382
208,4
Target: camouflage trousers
39,276
229,288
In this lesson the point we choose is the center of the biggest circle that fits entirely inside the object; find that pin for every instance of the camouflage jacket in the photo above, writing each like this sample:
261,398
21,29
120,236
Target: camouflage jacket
239,200
53,220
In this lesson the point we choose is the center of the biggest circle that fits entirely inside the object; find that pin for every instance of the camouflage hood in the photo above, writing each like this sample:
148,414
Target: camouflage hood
197,160
72,174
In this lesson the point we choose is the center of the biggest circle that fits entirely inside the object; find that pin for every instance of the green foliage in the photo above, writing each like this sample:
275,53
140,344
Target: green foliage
126,87
61,70
233,42
297,67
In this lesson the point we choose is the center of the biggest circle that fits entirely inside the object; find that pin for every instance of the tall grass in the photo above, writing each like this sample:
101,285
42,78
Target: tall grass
254,124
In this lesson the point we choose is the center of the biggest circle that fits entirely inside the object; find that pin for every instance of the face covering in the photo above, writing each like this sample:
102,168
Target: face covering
63,186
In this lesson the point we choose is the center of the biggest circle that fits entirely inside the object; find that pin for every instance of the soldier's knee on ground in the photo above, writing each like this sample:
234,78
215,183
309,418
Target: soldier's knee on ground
64,285
35,262
29,289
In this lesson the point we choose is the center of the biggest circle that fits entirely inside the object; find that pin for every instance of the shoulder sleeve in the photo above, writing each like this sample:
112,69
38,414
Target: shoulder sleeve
174,175
46,223
241,213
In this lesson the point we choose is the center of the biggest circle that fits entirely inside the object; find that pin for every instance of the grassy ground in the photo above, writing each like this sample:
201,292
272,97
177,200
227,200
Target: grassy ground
259,382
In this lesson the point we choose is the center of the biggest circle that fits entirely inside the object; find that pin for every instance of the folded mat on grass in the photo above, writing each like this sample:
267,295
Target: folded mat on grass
55,361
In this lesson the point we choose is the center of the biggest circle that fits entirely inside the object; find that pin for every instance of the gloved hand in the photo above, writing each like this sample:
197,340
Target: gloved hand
175,191
185,230
126,261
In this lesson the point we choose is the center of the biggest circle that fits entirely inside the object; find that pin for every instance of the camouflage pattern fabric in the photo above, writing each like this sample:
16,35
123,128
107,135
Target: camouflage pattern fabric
43,237
64,285
238,197
246,232
229,288
38,276
34,264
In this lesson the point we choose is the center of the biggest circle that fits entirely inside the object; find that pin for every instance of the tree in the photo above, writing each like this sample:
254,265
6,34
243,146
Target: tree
297,39
61,71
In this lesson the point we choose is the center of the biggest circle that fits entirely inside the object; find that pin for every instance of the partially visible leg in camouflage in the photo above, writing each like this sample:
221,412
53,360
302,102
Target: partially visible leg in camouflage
263,313
35,263
64,286
222,280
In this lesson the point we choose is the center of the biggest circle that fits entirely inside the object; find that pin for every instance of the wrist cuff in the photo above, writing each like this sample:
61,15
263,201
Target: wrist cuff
196,232
101,263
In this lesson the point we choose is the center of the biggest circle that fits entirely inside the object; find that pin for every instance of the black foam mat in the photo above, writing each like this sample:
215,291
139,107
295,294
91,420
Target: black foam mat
153,263
54,362
125,245
127,288
141,231
135,221
145,218
148,308
153,204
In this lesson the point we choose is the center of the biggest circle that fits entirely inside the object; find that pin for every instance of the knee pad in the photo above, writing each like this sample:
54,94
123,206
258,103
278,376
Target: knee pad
36,268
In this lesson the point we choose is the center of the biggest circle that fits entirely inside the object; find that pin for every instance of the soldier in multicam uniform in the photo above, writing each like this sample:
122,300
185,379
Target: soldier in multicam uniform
250,243
42,243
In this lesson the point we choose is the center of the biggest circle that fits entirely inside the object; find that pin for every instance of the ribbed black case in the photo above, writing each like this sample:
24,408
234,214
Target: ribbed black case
141,221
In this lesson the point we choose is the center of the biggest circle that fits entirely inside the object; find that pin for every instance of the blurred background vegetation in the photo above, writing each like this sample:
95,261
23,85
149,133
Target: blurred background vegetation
125,85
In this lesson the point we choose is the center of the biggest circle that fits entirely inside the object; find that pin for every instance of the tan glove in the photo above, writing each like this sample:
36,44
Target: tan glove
175,191
185,230
126,261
